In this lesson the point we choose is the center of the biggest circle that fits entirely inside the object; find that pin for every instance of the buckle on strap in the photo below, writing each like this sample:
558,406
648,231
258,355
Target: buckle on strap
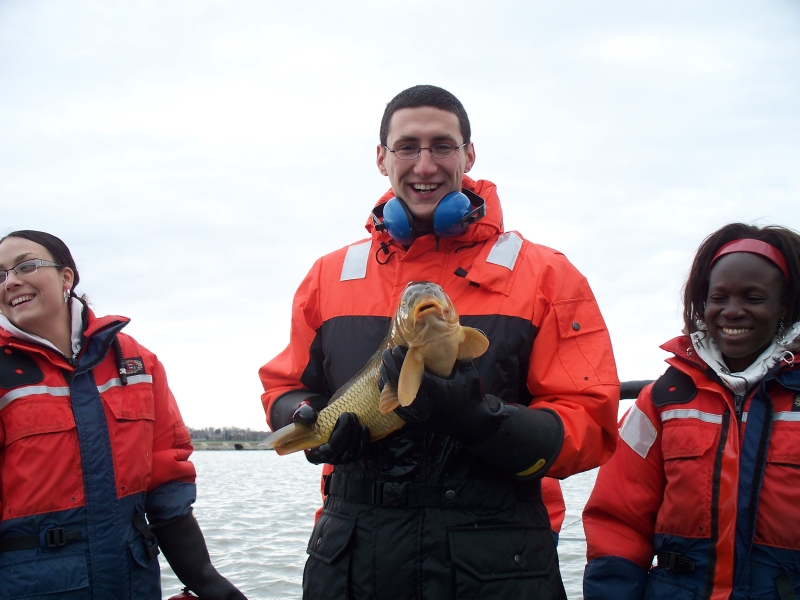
390,494
149,540
675,562
54,538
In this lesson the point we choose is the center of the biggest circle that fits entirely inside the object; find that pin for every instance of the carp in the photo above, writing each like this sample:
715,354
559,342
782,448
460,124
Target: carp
426,322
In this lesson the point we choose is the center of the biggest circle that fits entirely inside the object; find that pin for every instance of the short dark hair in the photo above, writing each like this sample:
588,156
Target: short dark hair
425,95
695,291
57,249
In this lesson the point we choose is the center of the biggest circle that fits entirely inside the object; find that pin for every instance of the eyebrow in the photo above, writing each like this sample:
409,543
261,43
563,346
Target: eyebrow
436,138
16,260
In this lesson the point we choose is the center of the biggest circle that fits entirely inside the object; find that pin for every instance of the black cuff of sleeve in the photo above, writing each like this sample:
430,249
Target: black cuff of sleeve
281,411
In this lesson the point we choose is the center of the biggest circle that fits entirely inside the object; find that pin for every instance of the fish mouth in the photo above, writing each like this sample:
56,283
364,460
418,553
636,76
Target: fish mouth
427,307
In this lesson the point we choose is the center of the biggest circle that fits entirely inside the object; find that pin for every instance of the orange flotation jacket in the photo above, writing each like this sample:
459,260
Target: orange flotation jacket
704,482
86,453
549,348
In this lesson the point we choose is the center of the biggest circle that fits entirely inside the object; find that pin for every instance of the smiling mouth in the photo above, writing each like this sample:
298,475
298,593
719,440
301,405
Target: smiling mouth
734,331
20,300
425,187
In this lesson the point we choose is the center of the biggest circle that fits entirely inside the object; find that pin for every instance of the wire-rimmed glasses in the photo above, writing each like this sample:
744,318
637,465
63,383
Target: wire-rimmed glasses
25,268
411,152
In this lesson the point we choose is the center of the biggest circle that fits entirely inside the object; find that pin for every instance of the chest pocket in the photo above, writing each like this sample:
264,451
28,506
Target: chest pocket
780,495
130,411
686,445
40,439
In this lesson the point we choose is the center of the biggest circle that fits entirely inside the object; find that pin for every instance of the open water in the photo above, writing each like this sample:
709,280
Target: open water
257,509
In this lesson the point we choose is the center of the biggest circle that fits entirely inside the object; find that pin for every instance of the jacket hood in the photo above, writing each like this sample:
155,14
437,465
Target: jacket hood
488,226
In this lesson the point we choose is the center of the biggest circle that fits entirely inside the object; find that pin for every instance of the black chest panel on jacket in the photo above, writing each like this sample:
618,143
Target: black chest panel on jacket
673,387
17,368
342,347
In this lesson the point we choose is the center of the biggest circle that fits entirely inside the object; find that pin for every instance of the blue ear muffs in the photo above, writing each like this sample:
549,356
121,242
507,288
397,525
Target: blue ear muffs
398,222
454,213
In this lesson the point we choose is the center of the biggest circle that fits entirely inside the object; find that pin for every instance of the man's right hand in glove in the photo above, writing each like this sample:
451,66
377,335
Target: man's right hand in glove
349,439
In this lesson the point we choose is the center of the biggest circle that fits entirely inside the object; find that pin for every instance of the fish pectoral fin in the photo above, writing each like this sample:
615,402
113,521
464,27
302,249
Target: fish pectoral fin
293,437
389,400
475,343
410,377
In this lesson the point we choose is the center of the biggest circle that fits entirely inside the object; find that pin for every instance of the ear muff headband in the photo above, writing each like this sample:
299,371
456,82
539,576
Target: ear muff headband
454,213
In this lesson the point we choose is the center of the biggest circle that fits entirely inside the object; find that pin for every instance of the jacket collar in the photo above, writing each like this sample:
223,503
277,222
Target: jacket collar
85,325
701,351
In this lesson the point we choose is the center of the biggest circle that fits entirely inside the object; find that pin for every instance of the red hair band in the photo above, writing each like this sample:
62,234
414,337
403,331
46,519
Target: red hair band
752,246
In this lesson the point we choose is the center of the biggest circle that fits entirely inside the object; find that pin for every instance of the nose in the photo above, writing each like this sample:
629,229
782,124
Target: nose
8,283
425,165
732,309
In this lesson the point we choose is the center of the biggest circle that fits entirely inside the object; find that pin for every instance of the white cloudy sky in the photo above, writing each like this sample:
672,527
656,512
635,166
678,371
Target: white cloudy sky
198,155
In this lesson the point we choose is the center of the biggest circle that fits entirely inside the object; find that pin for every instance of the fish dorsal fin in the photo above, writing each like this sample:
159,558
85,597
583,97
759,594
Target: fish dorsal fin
410,377
475,343
389,400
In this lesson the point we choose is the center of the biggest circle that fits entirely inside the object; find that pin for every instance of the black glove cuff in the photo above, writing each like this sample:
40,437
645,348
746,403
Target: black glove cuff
281,411
526,443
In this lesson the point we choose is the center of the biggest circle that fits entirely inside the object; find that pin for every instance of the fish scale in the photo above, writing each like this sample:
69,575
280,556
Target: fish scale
361,395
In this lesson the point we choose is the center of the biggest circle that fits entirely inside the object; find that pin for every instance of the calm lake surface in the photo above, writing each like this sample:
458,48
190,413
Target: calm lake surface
257,509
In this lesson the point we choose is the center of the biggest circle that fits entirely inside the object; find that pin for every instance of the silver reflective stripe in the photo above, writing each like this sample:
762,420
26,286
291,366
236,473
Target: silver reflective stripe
505,250
690,413
132,380
34,390
355,263
638,432
787,416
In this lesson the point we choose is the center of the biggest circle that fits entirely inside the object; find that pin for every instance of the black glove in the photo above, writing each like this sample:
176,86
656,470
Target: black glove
348,442
454,405
515,438
184,547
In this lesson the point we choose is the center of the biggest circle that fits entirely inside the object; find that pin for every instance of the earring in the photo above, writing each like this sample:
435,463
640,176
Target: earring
66,296
781,330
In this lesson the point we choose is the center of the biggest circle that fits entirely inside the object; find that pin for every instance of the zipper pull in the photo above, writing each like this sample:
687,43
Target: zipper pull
738,400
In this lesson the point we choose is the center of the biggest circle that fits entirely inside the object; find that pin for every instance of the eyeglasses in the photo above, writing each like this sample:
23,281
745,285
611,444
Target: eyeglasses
409,152
25,268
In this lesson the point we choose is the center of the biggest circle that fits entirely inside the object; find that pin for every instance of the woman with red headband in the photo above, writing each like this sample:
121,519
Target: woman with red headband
702,497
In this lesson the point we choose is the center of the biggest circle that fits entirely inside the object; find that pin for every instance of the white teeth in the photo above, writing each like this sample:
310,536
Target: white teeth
425,187
729,331
20,300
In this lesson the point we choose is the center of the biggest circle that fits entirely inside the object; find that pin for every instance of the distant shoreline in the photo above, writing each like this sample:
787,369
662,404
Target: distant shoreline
203,445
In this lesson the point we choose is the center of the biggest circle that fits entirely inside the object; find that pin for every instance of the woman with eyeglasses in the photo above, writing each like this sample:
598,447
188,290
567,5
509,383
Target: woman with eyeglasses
94,455
702,497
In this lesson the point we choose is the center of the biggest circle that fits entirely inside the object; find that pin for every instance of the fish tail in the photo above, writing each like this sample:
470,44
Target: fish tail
293,437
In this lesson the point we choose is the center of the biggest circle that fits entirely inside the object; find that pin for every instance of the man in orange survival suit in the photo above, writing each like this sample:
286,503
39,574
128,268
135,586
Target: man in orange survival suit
451,505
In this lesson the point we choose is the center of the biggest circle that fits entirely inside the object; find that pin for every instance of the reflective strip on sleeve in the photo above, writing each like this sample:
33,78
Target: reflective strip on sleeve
505,250
355,262
132,380
690,413
34,390
638,432
787,416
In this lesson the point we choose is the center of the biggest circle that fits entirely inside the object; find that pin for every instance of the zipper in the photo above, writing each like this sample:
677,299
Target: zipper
738,402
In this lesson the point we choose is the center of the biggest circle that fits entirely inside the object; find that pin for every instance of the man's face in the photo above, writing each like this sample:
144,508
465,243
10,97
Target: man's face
423,182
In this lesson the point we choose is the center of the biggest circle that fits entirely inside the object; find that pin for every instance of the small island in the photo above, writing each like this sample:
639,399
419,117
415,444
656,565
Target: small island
227,438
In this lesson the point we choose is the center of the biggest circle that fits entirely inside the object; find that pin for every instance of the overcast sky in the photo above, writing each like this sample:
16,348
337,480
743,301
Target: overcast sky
197,156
